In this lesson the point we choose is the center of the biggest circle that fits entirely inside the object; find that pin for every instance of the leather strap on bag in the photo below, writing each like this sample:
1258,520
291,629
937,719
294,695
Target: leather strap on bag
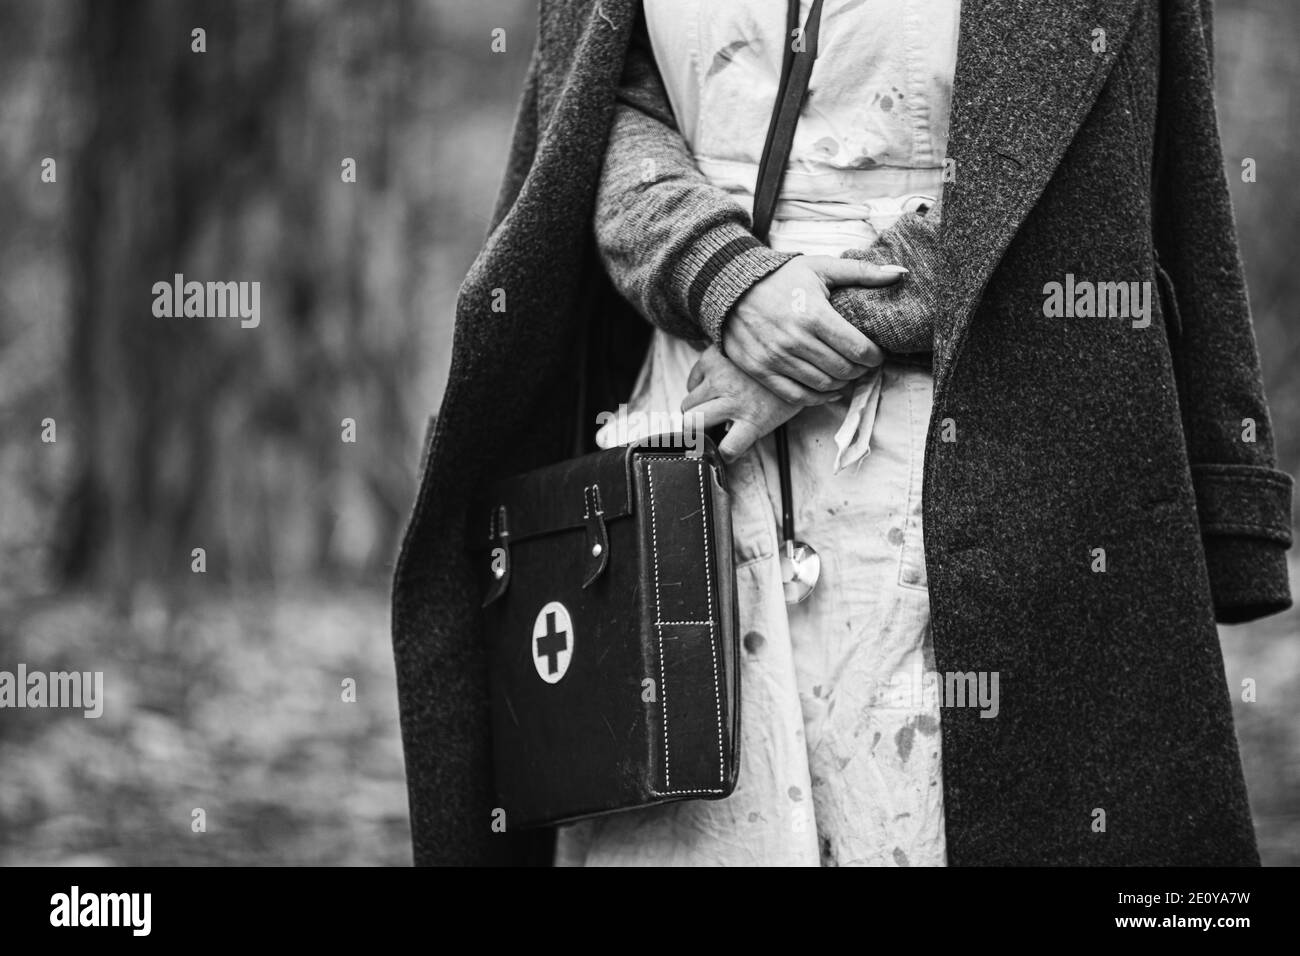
796,70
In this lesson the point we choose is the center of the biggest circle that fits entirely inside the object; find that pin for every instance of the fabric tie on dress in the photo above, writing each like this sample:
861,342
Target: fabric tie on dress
853,439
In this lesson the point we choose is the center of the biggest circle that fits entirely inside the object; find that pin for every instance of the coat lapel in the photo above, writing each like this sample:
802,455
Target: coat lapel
1026,77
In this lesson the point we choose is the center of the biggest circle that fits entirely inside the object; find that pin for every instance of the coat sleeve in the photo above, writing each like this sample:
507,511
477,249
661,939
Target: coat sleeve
1243,500
681,250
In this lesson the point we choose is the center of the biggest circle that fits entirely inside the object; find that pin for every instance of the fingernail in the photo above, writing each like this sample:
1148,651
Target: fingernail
894,270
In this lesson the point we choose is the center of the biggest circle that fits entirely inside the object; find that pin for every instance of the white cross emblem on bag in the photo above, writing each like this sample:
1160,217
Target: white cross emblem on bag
552,642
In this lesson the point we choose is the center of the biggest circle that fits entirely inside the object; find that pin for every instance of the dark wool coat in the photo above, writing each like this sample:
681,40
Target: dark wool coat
1072,435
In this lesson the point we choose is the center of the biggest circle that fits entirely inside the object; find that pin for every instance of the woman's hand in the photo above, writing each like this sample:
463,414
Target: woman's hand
721,392
784,333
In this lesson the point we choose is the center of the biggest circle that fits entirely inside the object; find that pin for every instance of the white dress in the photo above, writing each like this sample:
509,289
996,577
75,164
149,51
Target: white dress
840,751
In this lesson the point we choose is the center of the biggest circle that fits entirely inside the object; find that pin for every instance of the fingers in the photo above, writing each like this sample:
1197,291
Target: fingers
730,385
795,353
810,376
837,272
710,412
742,433
792,392
840,335
699,394
707,377
740,437
785,326
837,363
696,377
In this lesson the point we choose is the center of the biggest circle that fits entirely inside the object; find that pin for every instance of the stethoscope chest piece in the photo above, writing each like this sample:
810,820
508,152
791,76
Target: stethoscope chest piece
801,566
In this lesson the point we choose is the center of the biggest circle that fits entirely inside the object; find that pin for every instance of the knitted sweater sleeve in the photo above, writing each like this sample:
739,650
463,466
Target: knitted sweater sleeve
681,250
675,246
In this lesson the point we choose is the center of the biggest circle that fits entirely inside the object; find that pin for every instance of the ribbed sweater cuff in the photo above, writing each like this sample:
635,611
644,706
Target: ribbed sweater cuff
715,271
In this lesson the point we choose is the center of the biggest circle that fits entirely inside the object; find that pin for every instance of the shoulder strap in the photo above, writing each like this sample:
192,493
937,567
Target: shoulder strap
796,69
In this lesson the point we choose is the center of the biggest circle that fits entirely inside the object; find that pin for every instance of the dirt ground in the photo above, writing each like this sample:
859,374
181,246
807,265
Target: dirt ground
235,707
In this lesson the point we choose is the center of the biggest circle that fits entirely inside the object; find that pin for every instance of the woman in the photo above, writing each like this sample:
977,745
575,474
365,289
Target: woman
840,752
1098,482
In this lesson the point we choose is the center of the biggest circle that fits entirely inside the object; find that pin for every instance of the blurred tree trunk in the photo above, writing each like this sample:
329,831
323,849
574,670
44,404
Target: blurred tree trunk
225,166
142,184
115,40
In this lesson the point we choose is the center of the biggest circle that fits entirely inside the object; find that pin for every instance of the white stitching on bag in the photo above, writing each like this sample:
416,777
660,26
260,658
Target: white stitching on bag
713,641
663,683
660,624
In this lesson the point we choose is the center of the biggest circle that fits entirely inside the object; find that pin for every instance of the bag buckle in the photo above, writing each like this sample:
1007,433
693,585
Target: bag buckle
593,514
499,536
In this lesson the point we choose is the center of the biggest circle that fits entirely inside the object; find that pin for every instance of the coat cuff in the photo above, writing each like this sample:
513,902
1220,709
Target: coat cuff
718,269
1245,517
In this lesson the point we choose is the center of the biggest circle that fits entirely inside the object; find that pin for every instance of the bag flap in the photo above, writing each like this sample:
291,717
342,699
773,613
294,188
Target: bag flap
563,496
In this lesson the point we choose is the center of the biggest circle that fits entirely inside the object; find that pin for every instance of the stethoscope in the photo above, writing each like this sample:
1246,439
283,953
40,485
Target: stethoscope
801,566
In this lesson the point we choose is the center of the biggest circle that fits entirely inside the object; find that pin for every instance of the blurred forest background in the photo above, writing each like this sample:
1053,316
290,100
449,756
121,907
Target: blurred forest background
224,688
